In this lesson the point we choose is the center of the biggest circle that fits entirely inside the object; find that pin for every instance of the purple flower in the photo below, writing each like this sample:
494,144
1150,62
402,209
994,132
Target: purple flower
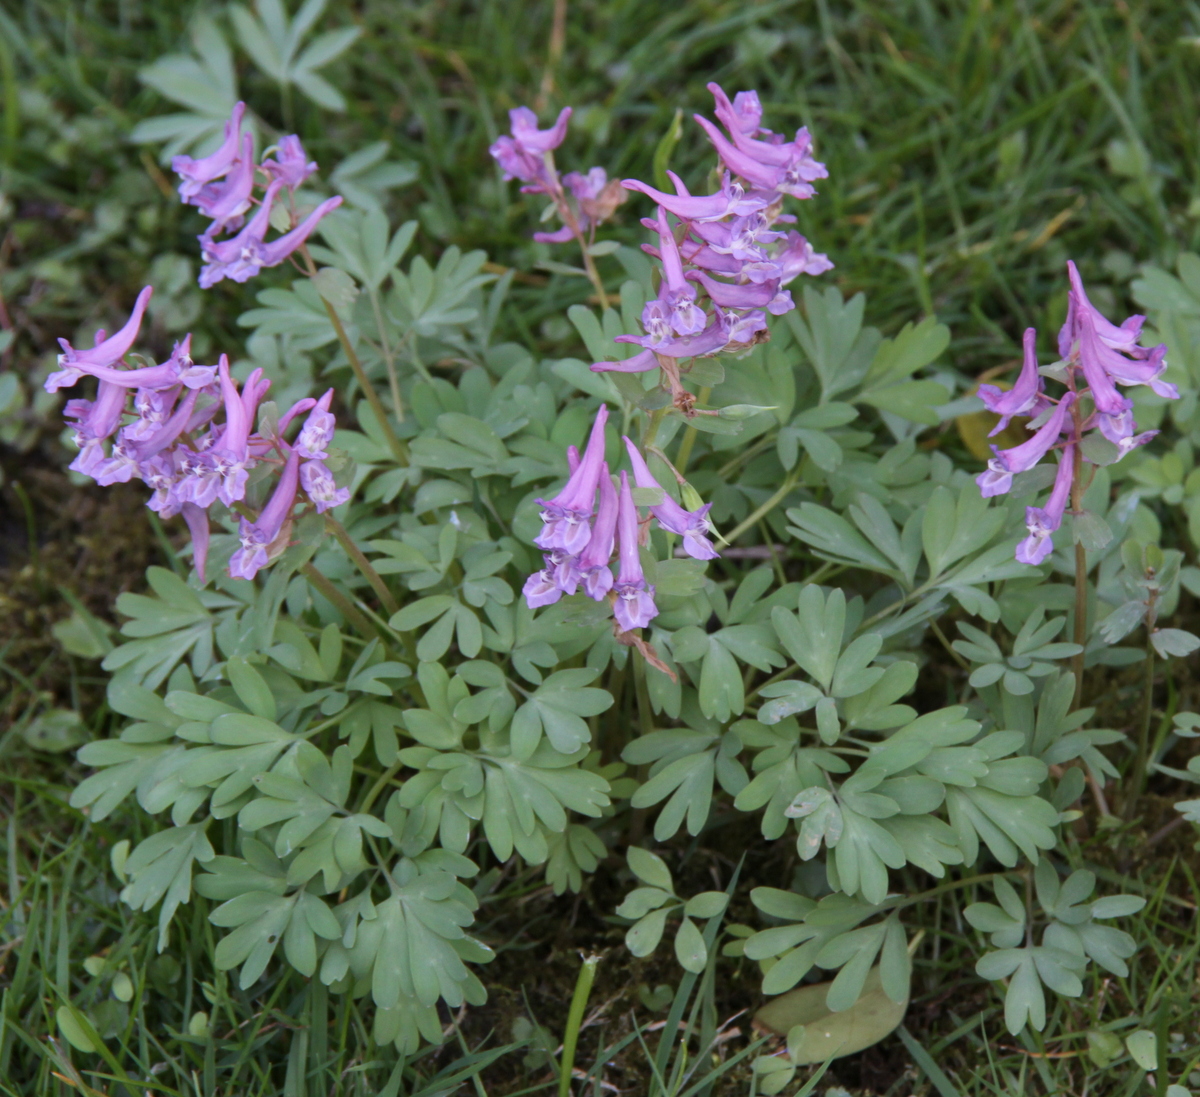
566,516
799,258
634,606
1113,351
226,202
120,468
674,311
97,420
592,566
318,484
712,339
730,199
1120,430
743,238
259,539
783,168
291,165
748,296
1024,396
562,235
558,577
195,173
147,444
642,362
521,155
745,328
197,523
153,408
317,432
105,354
242,256
160,475
1042,522
1079,306
743,115
227,465
997,479
691,525
526,133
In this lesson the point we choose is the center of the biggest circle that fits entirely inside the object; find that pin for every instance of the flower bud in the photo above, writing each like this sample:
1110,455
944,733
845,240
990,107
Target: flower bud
738,412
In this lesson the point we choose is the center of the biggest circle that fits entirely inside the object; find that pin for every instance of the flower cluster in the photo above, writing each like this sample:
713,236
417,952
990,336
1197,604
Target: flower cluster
222,184
1096,357
185,431
581,201
579,535
724,262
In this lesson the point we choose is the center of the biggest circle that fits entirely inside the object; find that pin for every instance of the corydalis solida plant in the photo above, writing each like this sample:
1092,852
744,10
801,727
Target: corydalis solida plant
514,767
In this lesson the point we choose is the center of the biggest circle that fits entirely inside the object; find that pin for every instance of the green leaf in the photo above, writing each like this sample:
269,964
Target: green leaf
1143,1048
71,1025
915,400
825,1034
557,709
650,868
664,148
708,904
690,949
833,538
914,347
643,937
1174,642
813,638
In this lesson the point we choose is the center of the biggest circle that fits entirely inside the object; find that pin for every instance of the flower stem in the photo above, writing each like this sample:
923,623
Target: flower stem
583,988
1080,576
761,512
362,563
347,608
1138,776
651,432
1141,762
398,448
389,358
689,437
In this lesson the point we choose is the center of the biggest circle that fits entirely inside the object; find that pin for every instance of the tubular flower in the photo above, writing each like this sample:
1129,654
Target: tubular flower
260,540
105,354
242,256
997,480
634,604
730,200
196,173
291,165
558,577
567,515
239,258
1042,522
594,572
226,202
319,485
743,115
521,155
1024,396
187,468
222,471
317,432
97,420
691,525
730,240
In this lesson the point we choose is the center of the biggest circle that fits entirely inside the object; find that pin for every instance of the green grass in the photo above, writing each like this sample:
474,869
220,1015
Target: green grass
973,146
